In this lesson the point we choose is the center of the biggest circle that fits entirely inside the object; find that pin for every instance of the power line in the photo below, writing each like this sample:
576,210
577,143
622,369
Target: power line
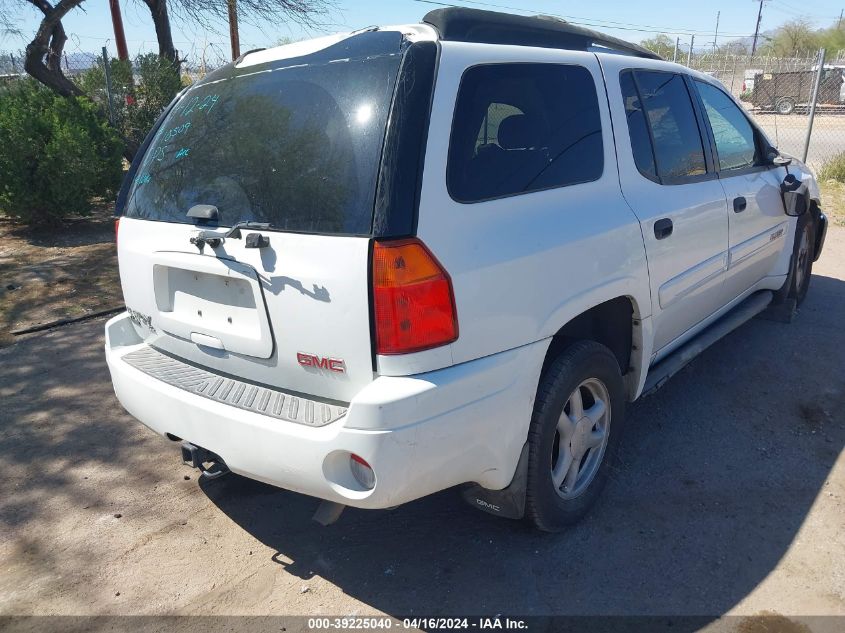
591,22
782,7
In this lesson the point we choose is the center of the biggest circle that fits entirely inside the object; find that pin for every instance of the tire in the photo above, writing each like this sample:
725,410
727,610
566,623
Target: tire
785,106
554,440
801,262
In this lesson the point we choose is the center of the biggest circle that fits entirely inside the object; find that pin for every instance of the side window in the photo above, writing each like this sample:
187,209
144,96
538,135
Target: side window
523,127
676,139
734,136
638,127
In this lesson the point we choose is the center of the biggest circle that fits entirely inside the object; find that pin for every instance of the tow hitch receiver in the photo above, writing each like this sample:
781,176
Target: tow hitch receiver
198,457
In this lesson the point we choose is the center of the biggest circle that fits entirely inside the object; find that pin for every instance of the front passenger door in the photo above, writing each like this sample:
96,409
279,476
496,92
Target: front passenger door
756,220
669,182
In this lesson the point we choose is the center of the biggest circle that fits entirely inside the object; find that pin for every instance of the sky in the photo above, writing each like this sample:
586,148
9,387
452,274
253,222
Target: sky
89,26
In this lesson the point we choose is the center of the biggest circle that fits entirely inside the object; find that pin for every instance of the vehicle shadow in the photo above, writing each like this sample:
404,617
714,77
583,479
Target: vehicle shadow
718,472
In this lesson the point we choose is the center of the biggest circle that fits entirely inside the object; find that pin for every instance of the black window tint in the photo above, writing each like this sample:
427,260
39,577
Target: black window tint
521,128
677,140
637,127
734,136
296,143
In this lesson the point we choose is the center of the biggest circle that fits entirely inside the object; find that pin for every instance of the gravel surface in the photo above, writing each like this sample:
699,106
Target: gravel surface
730,499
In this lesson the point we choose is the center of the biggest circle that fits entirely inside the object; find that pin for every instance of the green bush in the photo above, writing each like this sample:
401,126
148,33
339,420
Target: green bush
834,169
136,100
55,155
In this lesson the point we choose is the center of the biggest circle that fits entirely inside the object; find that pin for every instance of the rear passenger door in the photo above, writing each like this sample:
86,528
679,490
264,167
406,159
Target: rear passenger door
520,198
757,224
667,177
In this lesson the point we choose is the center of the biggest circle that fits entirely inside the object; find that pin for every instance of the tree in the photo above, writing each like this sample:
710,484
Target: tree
733,47
833,40
164,35
793,37
661,44
44,52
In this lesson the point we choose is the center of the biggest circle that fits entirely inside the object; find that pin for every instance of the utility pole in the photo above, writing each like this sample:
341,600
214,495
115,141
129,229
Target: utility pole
757,30
119,35
233,29
839,21
689,55
675,54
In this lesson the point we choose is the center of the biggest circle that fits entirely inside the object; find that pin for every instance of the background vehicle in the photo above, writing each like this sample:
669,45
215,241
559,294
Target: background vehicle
748,78
784,92
350,280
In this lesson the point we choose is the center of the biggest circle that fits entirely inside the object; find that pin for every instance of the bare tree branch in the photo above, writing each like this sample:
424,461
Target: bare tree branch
213,16
44,52
58,38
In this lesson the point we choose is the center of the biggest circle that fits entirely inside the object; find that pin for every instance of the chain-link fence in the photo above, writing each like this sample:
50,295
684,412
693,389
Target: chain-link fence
777,91
75,65
134,92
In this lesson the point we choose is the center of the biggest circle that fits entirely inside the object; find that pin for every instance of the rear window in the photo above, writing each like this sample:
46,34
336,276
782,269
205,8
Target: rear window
523,127
295,143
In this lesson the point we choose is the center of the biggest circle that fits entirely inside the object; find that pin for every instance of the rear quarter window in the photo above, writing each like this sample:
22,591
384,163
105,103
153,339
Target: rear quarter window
522,127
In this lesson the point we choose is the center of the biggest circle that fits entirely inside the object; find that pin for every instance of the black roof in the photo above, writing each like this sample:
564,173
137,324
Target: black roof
492,27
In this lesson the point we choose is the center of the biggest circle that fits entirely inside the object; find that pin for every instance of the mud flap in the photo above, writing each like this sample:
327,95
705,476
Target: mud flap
508,502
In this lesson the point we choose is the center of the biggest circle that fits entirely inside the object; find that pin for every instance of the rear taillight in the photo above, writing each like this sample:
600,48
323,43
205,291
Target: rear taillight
116,229
744,89
413,300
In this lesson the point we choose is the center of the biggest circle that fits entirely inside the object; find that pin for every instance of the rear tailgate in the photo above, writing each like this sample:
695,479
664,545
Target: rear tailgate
293,144
272,315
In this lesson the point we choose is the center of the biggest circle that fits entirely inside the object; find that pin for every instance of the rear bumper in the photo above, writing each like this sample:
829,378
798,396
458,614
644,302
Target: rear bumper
420,434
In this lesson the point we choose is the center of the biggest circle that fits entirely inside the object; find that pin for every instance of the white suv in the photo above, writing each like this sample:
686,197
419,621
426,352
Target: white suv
372,266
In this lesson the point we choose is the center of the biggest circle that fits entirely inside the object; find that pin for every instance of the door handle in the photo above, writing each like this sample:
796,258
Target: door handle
663,228
739,204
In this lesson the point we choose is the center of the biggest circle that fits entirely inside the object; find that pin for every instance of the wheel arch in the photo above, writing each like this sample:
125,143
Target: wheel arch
820,220
619,324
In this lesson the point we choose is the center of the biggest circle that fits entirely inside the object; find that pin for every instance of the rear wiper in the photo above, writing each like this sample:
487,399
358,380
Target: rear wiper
235,231
214,239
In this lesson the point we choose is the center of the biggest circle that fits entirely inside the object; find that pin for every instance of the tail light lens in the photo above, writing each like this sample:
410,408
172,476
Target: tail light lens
413,299
116,229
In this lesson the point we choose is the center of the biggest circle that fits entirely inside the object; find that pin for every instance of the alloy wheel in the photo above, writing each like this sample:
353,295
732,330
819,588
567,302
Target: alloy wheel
581,438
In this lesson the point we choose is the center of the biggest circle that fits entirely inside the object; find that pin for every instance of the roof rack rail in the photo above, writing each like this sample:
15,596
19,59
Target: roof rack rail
492,27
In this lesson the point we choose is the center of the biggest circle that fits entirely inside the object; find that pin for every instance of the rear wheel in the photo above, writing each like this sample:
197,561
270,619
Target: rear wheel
574,434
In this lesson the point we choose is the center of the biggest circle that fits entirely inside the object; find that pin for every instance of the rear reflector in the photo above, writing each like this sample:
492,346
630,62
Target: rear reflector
362,472
413,300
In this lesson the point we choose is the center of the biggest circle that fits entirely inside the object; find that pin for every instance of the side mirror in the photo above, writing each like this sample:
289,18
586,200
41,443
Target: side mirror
796,196
776,158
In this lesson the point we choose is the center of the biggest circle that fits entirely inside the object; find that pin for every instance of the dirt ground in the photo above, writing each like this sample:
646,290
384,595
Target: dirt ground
729,499
58,273
833,201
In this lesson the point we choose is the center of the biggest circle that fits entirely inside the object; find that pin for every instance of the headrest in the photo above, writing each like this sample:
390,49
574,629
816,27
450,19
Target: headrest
519,131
